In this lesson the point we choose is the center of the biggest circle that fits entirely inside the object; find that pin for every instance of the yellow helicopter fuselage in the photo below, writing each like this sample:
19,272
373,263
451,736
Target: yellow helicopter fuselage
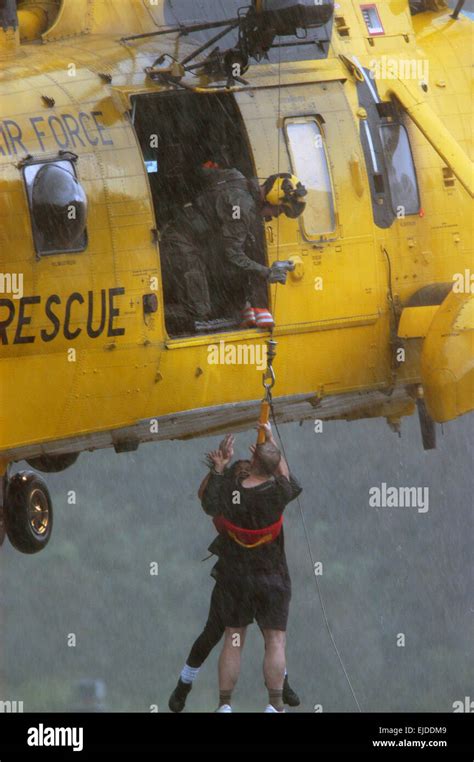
84,365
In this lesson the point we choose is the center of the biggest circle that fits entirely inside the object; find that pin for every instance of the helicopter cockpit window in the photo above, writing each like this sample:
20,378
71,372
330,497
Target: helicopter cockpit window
58,207
310,164
400,169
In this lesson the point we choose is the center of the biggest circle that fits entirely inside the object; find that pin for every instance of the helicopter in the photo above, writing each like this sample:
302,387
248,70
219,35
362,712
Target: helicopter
377,316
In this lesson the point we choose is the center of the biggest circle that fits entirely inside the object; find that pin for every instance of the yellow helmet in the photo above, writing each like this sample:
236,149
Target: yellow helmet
286,191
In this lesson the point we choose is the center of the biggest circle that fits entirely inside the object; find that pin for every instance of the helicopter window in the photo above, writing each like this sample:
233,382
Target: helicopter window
400,169
58,207
310,164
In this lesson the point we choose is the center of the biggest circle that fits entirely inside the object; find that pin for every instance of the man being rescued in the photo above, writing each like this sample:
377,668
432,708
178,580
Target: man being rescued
247,502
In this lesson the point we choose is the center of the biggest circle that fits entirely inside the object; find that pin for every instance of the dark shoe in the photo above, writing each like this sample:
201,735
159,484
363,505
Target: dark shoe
289,696
178,698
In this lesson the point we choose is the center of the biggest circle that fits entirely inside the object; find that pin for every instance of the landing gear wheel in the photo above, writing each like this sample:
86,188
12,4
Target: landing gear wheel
28,512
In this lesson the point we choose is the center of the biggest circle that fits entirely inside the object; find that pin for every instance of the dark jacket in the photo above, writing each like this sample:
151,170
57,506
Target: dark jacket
258,507
213,215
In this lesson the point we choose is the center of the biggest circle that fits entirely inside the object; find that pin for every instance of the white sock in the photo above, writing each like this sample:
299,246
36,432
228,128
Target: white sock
189,674
286,673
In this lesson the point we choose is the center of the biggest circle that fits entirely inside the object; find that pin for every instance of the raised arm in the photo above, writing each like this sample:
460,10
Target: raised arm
227,449
212,495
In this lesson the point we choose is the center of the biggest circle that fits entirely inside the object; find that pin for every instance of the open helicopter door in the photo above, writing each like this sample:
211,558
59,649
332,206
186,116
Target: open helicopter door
178,132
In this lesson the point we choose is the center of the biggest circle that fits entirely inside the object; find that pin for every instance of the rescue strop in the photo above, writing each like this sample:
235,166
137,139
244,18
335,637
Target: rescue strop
248,538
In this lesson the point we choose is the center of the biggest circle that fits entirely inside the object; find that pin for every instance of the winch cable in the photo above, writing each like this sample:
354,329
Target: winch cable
278,171
267,407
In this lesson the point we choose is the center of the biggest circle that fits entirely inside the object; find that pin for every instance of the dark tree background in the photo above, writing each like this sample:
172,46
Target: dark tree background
386,571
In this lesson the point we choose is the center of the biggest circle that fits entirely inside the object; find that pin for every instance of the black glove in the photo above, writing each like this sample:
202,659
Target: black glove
277,276
279,272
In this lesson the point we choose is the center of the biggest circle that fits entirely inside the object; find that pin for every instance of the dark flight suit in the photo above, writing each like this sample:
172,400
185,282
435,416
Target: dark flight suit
206,259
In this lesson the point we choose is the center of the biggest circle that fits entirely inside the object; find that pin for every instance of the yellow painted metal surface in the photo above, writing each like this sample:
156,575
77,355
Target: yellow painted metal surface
332,340
415,322
9,42
447,361
33,21
438,135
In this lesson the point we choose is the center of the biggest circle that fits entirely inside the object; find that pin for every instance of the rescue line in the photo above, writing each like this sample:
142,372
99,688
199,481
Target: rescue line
267,410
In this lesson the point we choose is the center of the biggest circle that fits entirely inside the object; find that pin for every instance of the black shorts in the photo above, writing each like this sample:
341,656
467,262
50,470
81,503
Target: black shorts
264,599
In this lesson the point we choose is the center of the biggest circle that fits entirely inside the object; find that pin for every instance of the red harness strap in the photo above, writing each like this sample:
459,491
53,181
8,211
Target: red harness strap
248,538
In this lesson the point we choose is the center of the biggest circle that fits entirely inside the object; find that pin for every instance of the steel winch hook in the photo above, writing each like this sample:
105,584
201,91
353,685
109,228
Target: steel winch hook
268,384
269,377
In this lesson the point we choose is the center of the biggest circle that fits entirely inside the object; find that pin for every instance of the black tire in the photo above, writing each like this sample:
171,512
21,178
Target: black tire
53,464
28,512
